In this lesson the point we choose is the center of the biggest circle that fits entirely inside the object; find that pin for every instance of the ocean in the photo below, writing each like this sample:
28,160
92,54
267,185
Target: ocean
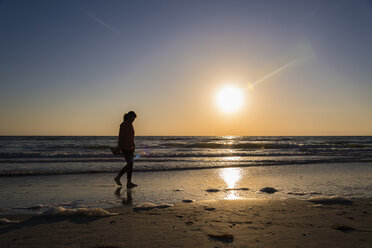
59,155
78,171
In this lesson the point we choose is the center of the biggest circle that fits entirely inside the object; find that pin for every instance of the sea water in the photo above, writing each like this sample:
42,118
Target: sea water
58,155
78,171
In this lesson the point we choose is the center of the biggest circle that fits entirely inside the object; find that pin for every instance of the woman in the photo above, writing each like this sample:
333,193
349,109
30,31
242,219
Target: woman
127,146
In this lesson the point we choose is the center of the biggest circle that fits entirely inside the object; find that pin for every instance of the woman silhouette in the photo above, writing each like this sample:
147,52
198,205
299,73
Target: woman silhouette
127,146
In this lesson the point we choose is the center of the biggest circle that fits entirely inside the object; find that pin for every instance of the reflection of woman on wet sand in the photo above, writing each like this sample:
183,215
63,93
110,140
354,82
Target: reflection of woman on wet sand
124,201
127,146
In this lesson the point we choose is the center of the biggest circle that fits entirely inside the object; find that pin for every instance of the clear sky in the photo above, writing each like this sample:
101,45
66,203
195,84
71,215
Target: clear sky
74,67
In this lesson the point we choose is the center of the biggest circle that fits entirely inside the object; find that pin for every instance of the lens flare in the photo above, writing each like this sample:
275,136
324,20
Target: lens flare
274,72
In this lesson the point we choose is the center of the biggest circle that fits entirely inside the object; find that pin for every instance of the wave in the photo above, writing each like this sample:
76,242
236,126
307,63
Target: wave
163,168
266,145
99,144
32,157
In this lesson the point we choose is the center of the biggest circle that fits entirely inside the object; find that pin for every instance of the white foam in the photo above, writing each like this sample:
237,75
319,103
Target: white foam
150,205
61,211
316,206
7,221
331,200
35,207
73,204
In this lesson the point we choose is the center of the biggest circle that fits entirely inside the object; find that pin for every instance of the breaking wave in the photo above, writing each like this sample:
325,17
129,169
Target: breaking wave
32,155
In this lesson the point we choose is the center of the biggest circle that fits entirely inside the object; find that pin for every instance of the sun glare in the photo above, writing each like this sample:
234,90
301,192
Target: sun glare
231,176
230,98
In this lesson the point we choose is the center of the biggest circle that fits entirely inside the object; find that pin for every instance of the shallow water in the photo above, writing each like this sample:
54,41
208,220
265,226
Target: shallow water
17,194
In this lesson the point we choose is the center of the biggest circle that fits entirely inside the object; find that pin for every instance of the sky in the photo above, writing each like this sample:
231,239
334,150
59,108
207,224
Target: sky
75,67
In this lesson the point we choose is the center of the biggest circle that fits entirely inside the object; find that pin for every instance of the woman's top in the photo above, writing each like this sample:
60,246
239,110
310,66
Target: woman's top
126,136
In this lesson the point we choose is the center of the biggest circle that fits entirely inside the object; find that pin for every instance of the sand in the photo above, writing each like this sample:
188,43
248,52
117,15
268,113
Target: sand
30,194
220,223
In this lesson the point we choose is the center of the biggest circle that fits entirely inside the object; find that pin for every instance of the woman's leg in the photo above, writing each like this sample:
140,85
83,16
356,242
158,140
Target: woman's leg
129,158
123,170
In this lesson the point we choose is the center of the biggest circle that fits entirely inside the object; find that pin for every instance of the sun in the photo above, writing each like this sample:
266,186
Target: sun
230,98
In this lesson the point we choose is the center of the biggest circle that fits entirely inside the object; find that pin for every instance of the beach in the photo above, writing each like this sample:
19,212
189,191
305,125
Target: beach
192,192
185,124
283,206
220,223
33,194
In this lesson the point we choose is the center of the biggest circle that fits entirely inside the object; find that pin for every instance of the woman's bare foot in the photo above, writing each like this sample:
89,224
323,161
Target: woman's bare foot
117,180
131,185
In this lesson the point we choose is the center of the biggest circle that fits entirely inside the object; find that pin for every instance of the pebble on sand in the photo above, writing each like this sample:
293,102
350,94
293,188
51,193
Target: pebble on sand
212,190
268,190
331,200
244,189
187,201
209,208
344,228
226,237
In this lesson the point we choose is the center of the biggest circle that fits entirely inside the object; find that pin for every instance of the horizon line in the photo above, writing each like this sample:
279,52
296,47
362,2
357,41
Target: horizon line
296,135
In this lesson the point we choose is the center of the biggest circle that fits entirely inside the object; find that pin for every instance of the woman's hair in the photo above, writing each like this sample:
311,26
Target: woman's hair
131,114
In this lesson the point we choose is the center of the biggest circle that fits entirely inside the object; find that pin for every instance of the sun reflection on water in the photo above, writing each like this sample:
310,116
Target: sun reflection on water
231,176
234,158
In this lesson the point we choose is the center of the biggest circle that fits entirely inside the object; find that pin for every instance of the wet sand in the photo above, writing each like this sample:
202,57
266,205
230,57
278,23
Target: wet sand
23,195
221,223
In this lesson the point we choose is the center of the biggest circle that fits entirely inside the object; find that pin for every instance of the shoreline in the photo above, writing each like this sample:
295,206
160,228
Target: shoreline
25,194
221,223
295,163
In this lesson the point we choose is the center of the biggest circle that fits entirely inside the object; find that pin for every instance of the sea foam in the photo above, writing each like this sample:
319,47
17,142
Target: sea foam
5,221
61,211
150,205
